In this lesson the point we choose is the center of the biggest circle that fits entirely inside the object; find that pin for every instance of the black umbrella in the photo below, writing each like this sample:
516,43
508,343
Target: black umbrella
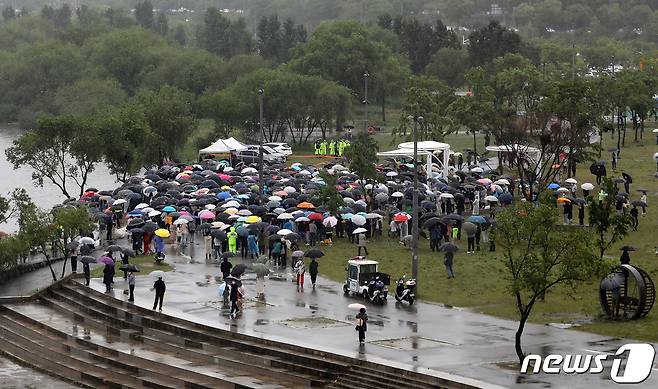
129,267
219,234
239,270
506,198
72,245
627,248
639,203
87,259
150,227
137,231
314,253
449,247
135,223
128,252
114,247
431,222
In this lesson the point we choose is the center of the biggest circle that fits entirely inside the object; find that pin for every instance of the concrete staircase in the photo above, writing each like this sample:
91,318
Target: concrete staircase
96,341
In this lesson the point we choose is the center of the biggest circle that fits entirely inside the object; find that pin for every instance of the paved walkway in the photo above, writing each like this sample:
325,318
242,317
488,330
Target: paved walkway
422,337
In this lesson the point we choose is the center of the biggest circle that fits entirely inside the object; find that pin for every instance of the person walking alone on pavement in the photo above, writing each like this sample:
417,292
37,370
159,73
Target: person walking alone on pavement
300,269
131,287
362,243
313,269
160,289
234,295
225,268
362,324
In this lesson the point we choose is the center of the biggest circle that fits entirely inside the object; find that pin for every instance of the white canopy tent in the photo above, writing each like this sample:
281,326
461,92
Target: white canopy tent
223,146
425,149
532,152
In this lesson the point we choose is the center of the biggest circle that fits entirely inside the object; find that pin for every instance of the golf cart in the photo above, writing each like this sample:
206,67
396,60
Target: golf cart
364,279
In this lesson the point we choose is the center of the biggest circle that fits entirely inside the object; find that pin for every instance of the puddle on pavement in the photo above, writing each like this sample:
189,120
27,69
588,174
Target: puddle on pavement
313,322
412,343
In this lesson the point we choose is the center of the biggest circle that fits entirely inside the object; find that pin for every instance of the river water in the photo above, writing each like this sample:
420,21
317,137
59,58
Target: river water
47,196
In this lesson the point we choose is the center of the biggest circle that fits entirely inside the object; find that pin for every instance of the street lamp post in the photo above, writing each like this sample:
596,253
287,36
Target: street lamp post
366,75
261,92
414,211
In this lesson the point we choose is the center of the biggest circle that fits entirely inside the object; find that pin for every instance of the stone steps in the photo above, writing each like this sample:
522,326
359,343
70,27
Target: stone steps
200,337
177,373
94,340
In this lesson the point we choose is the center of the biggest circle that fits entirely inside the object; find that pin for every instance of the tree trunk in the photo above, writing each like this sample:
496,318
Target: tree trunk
383,107
66,258
517,338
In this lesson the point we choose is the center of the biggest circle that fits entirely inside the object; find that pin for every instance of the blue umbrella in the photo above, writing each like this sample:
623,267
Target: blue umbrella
553,185
135,213
477,219
224,195
346,216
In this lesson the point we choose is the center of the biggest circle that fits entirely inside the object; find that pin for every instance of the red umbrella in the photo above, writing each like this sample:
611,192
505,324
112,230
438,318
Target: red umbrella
400,217
316,216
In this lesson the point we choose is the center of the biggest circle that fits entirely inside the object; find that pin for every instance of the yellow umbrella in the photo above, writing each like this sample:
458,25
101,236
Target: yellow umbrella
161,232
231,211
225,187
253,219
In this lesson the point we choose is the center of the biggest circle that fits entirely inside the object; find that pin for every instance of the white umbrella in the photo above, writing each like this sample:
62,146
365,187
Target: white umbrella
447,196
501,181
210,207
275,198
391,174
339,167
572,181
289,189
86,240
157,274
154,213
330,221
587,186
141,206
477,170
248,170
284,216
358,220
562,190
181,221
119,202
397,194
655,157
655,131
491,198
359,230
244,212
302,219
283,232
356,306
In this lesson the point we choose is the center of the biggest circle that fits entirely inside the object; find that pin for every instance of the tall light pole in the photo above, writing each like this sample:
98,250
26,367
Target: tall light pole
414,211
366,75
261,92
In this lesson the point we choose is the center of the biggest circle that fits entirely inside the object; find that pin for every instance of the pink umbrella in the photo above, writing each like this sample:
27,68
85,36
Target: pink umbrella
484,181
106,260
205,214
330,221
224,177
184,213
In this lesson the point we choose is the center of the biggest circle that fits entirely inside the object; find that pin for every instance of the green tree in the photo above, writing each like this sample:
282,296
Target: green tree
8,13
429,98
491,42
60,150
420,41
169,114
449,65
71,222
62,16
608,226
362,156
144,14
329,195
539,256
223,37
88,96
161,24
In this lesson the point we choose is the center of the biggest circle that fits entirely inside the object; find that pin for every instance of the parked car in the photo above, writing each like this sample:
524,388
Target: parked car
251,156
280,147
268,151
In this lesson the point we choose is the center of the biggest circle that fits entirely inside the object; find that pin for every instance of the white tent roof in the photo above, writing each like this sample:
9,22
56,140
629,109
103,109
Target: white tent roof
402,152
428,145
513,148
223,146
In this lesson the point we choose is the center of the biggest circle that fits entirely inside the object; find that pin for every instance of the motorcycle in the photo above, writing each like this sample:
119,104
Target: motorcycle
159,258
376,291
405,290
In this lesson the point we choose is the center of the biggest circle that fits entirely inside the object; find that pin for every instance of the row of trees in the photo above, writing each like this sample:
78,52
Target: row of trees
39,232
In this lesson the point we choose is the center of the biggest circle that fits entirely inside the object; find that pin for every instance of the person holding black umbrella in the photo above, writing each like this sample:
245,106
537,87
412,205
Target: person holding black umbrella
313,270
225,267
447,261
87,272
160,288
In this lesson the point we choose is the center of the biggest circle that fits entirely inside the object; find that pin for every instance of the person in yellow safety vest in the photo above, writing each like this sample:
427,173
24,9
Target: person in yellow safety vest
323,147
341,146
316,146
332,147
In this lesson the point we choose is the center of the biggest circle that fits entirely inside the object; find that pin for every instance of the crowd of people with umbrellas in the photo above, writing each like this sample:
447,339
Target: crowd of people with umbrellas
224,206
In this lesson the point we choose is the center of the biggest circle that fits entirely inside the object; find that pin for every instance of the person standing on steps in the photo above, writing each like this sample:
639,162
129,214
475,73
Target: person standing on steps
313,270
108,277
362,324
131,286
160,289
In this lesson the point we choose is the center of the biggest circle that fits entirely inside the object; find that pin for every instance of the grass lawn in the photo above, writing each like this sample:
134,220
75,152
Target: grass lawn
145,263
481,278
